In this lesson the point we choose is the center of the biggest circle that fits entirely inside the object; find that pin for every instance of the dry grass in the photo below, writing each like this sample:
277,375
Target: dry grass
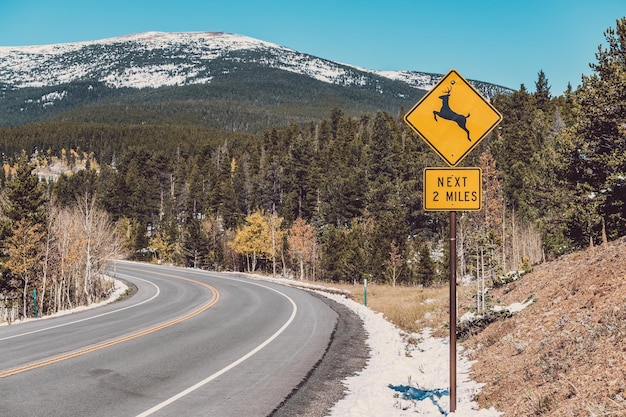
409,308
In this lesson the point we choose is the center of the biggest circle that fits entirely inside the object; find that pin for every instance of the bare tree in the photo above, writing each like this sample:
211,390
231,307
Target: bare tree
302,243
101,245
84,240
394,263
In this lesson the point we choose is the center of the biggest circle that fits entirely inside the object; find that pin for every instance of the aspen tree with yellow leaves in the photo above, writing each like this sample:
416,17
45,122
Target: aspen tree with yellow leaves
24,250
254,240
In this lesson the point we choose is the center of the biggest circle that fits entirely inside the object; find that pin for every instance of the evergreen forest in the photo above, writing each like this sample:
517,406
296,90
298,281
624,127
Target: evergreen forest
335,200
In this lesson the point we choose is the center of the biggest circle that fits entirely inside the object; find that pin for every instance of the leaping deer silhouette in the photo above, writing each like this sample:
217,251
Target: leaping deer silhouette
447,113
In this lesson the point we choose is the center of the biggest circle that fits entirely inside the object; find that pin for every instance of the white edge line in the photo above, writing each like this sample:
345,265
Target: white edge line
232,365
158,291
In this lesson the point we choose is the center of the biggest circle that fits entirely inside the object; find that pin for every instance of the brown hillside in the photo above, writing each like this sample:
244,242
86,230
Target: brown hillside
565,355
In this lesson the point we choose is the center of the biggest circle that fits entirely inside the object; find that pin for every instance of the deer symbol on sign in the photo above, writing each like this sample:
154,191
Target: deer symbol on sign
447,113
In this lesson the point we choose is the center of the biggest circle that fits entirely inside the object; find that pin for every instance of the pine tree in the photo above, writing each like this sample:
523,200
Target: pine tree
195,245
542,92
213,229
426,269
26,195
597,141
521,150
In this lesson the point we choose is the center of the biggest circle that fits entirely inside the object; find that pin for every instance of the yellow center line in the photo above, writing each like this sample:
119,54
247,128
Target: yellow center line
89,349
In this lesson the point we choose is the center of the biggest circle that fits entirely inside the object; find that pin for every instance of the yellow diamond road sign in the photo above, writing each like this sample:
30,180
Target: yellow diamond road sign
453,118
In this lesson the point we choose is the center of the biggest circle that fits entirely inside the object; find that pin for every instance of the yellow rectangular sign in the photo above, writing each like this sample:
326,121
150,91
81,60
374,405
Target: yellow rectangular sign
452,189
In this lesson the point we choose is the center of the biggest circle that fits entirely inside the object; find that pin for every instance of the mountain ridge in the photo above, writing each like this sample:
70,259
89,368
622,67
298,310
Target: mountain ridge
225,72
20,66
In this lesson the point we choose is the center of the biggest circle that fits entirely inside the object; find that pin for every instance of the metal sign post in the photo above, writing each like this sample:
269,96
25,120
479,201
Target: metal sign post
452,118
452,311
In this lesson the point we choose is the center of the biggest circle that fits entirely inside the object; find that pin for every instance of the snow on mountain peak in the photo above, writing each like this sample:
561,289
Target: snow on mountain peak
151,40
150,59
155,59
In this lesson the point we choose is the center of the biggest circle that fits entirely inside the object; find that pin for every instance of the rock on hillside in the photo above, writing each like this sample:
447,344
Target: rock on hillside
565,355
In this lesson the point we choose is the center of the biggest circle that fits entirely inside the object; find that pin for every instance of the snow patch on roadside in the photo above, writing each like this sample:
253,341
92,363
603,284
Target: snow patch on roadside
513,309
402,378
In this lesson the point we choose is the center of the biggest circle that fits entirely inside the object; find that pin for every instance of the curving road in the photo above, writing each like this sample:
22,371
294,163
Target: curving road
188,343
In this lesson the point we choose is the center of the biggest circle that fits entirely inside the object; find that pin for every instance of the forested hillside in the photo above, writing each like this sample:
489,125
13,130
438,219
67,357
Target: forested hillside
248,100
336,200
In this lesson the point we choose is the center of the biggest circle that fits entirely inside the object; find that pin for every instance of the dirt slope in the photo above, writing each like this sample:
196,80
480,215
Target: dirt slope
565,355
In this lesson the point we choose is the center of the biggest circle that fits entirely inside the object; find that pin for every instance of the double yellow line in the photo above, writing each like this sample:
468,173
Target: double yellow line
83,351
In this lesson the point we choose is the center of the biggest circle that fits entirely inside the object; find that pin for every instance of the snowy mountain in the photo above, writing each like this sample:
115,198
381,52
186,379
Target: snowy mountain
156,59
33,78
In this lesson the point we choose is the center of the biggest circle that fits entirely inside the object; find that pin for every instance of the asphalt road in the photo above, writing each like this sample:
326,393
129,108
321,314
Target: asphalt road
188,343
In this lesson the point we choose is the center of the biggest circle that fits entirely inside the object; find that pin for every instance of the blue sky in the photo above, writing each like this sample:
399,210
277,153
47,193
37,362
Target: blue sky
506,42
